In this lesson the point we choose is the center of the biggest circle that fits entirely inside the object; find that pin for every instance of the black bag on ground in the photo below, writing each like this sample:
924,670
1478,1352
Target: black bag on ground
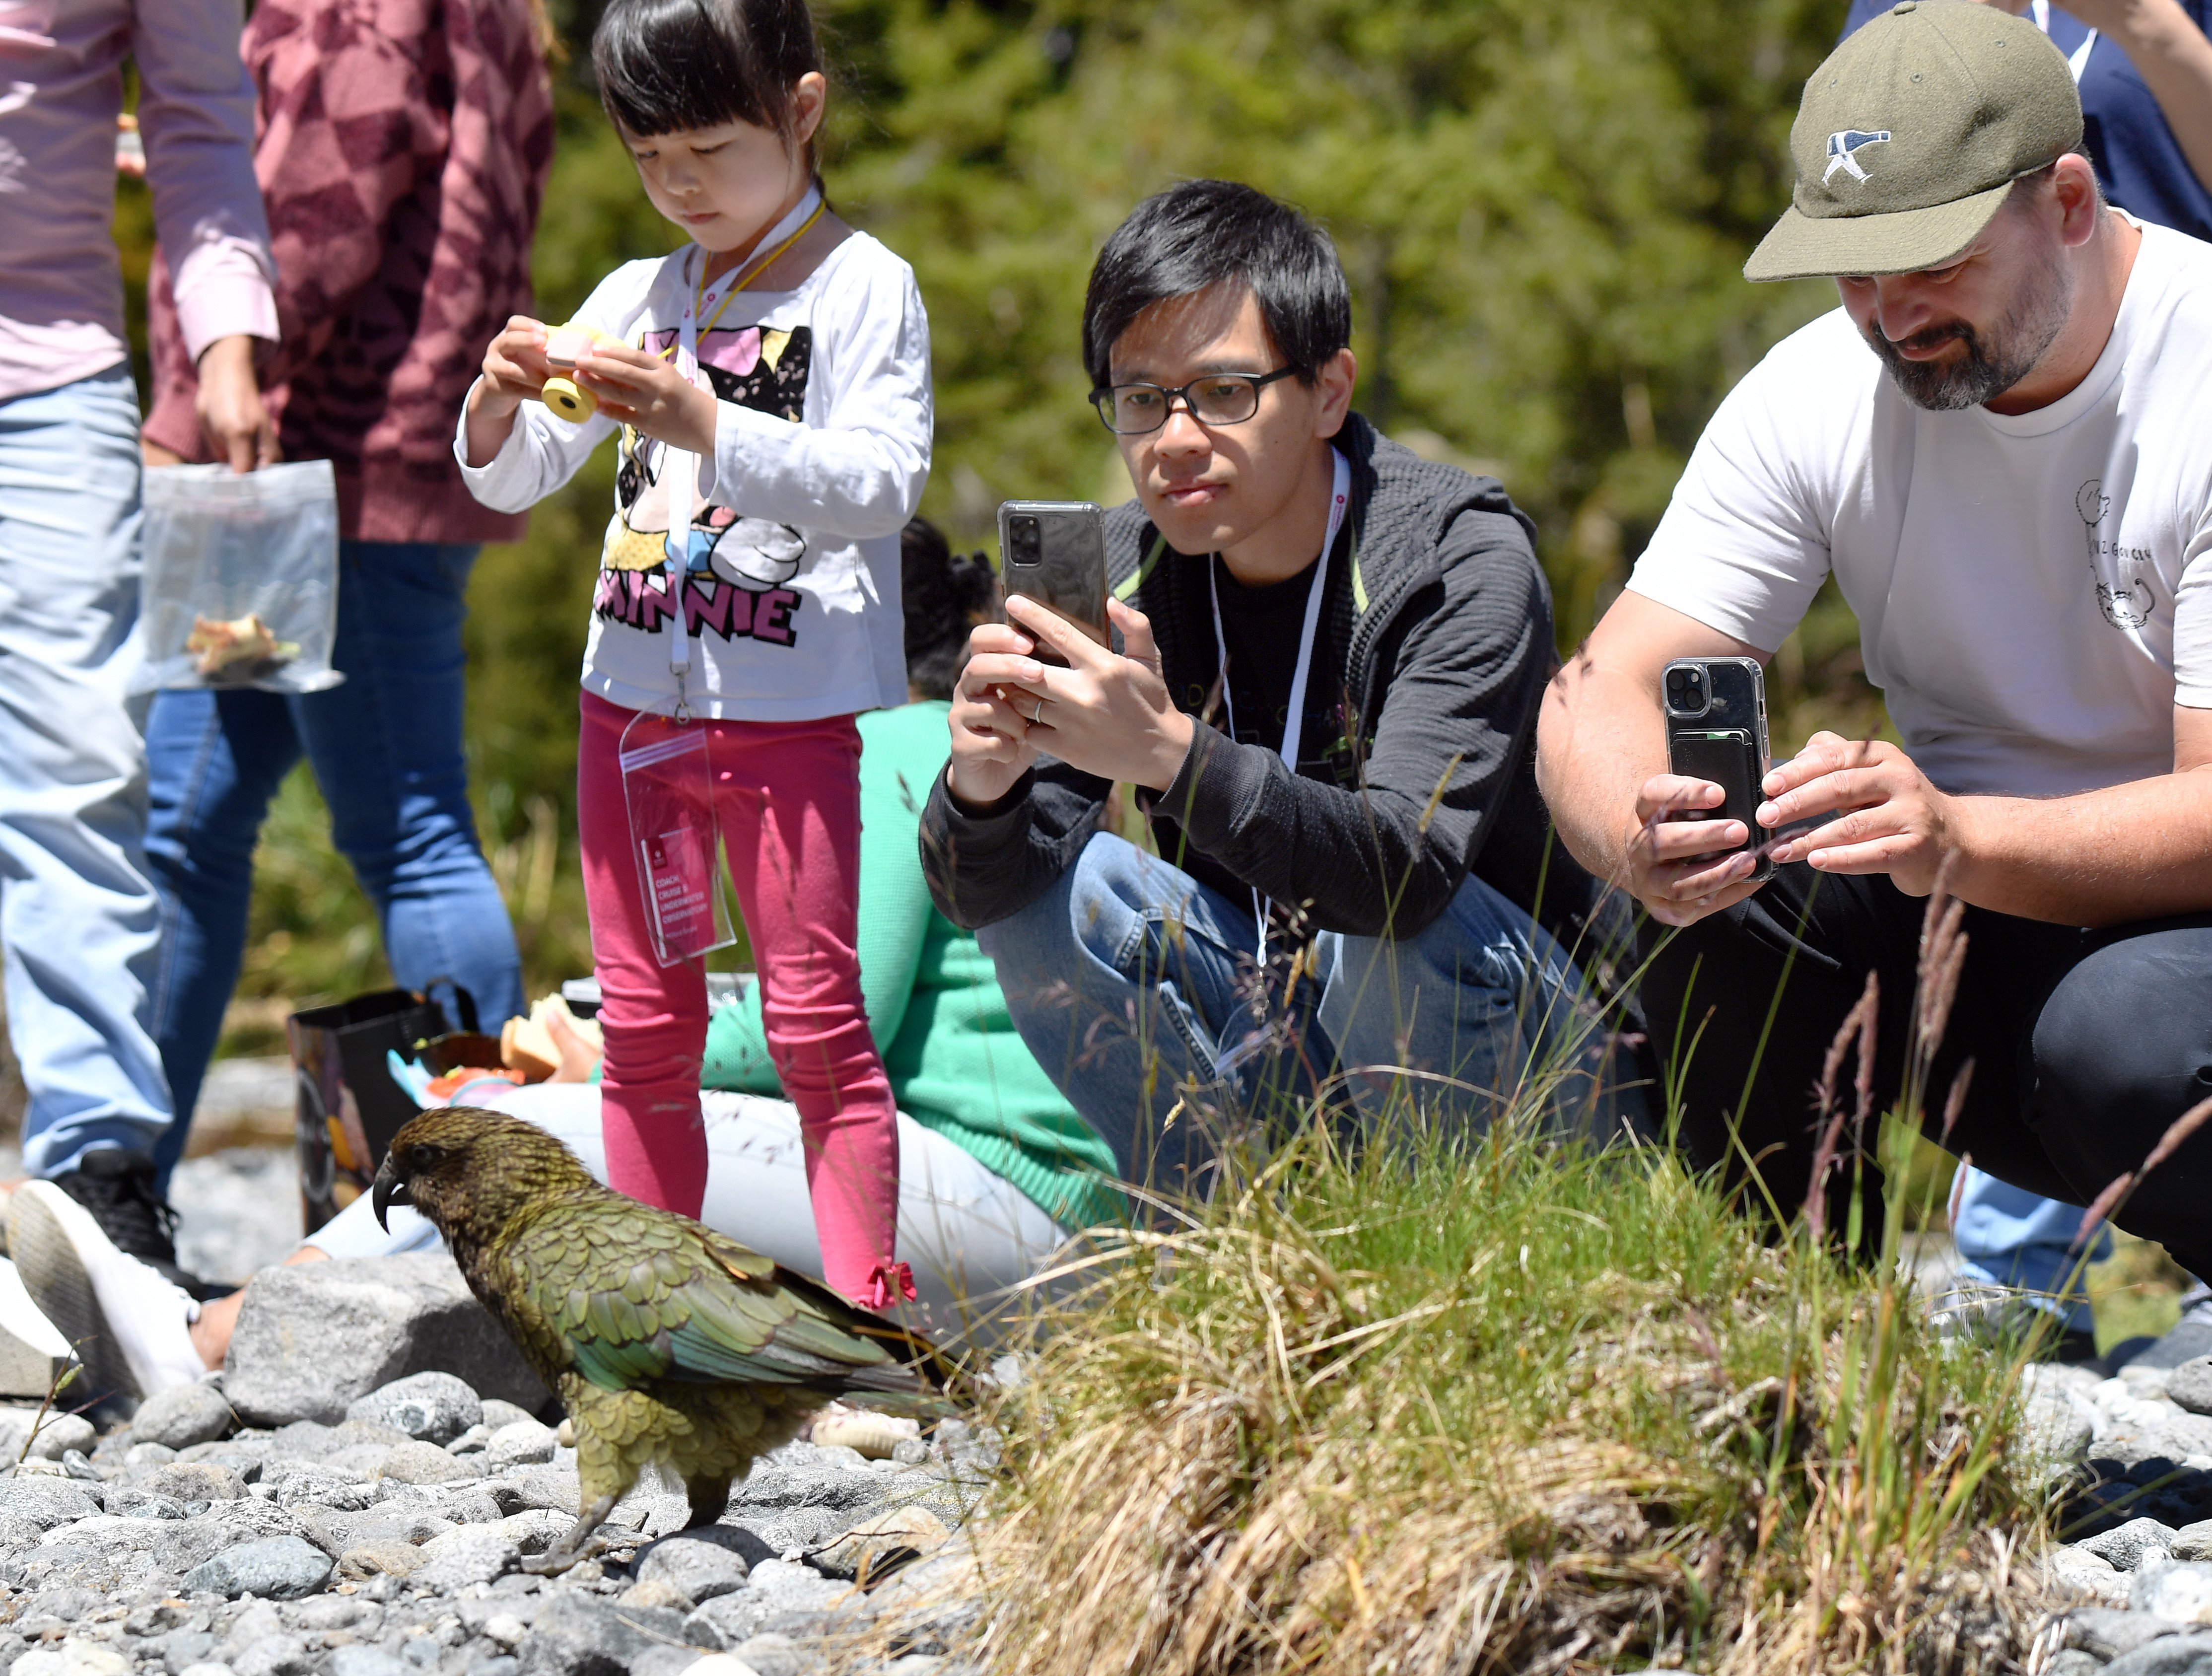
349,1105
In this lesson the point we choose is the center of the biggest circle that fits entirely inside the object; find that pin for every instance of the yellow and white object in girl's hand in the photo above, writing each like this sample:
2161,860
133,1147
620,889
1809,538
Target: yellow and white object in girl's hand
564,347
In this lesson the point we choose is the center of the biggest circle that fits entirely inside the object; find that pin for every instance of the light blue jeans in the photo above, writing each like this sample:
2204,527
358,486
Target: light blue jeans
386,750
2008,1236
1136,989
78,916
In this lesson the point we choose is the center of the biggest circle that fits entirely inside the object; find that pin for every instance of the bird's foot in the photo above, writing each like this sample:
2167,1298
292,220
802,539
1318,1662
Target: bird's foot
561,1557
581,1543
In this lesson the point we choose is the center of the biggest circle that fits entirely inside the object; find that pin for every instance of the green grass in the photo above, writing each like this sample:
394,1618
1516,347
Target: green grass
1445,1402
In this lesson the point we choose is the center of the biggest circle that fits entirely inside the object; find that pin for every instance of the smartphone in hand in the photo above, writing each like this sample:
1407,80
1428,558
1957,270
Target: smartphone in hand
1716,731
1054,552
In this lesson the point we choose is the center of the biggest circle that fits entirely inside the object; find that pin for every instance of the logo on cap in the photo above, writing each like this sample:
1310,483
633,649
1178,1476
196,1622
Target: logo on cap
1841,146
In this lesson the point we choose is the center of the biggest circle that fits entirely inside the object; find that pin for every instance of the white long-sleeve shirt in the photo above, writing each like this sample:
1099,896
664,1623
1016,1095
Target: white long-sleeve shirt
61,85
821,450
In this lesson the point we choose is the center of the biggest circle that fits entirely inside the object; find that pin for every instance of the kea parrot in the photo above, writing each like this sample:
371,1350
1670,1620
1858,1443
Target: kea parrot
665,1341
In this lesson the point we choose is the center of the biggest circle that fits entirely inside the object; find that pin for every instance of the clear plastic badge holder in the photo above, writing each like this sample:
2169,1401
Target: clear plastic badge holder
242,578
669,789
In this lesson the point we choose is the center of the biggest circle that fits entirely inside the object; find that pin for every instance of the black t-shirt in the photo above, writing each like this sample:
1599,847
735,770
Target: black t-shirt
1260,627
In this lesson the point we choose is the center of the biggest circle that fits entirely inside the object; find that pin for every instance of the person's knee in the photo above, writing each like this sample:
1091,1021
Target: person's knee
2123,1045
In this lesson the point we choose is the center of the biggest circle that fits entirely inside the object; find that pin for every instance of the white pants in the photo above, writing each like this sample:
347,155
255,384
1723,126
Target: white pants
970,1238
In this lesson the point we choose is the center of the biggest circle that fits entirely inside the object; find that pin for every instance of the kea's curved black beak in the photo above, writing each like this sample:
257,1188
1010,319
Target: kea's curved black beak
387,1191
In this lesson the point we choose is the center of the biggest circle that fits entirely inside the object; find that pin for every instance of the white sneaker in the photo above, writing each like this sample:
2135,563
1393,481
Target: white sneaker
33,1351
131,1327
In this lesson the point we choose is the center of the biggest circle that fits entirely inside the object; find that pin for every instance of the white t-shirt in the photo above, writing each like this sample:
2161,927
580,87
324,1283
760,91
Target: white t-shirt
821,451
2034,593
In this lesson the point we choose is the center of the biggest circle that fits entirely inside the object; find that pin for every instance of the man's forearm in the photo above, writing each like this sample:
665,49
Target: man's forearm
1598,739
2139,851
2175,61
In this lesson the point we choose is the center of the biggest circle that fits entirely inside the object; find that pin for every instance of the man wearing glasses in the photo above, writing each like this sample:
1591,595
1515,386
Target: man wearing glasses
1332,655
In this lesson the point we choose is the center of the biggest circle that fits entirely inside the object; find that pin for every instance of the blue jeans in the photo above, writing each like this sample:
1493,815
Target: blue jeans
2008,1236
1133,984
77,915
385,747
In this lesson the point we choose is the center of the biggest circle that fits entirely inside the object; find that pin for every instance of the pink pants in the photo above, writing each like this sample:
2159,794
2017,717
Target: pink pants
787,801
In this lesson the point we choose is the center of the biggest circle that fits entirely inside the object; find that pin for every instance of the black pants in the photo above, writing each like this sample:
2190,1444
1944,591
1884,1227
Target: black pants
2086,1045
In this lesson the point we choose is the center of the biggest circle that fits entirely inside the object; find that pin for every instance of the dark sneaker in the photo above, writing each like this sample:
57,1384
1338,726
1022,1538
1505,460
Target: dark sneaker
117,1189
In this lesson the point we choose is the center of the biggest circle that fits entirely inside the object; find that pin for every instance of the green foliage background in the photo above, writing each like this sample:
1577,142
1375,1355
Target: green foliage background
1543,206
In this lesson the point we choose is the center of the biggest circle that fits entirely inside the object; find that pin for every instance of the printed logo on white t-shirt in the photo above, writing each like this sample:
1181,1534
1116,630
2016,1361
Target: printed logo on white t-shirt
2124,594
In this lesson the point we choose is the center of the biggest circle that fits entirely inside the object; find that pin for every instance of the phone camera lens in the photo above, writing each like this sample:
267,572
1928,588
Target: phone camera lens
1028,537
1677,683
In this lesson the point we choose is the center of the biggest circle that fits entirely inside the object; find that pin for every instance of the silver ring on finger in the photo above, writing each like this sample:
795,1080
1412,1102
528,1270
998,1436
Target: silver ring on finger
1036,716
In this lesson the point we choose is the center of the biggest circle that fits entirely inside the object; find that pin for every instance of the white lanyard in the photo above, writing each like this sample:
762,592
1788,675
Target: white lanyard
2079,61
1339,500
679,468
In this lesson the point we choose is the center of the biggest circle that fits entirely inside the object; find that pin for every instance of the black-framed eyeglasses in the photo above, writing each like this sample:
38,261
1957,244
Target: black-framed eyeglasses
1218,398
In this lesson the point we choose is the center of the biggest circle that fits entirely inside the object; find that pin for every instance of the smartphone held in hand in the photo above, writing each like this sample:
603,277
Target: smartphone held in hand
1716,731
1054,552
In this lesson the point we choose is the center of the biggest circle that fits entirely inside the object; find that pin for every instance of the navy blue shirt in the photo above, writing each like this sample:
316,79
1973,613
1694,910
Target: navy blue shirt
2124,134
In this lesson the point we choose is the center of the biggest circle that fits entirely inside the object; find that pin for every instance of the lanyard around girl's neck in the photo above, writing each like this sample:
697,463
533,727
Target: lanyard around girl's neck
679,468
1294,723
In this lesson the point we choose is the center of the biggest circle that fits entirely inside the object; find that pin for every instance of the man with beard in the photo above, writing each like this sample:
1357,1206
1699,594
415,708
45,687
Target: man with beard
1996,446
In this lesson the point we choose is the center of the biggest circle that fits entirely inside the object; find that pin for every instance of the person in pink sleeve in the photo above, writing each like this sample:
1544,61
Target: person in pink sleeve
403,152
78,917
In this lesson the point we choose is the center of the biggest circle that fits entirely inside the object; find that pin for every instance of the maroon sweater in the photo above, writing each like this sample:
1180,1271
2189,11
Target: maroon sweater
402,147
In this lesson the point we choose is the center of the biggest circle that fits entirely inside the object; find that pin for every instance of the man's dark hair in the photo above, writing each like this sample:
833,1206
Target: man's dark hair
944,596
1208,232
667,65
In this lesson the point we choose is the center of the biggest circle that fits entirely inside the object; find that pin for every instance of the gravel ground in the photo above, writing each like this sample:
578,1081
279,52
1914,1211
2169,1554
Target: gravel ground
393,1544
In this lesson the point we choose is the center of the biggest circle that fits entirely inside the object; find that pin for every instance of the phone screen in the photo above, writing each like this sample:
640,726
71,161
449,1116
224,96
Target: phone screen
1054,552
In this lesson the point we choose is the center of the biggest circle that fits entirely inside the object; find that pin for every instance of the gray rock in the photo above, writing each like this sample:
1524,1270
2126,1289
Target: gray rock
662,1661
59,1433
536,1530
182,1416
2194,1542
2174,1655
704,1563
776,1591
435,1407
360,1660
426,1463
273,1655
519,1443
186,1649
2190,1385
2181,1592
313,1338
774,1655
128,1500
540,1487
353,1434
197,1481
304,1484
471,1441
2071,1662
46,1501
281,1567
2126,1547
497,1413
472,1554
2108,1633
579,1635
474,1504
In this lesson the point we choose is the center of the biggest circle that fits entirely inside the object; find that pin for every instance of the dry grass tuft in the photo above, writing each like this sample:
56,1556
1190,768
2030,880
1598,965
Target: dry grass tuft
1571,1417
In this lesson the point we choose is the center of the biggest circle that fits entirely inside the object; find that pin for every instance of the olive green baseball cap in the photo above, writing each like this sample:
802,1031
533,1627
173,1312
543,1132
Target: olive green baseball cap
1910,135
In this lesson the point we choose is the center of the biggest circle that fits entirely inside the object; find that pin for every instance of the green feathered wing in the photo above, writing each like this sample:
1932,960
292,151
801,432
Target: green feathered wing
626,1297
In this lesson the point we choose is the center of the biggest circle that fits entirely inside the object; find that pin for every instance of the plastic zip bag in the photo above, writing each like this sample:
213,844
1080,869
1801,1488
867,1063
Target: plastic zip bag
669,787
241,582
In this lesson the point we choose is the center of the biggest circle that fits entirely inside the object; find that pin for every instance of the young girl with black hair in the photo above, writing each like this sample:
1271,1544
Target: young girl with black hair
769,387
